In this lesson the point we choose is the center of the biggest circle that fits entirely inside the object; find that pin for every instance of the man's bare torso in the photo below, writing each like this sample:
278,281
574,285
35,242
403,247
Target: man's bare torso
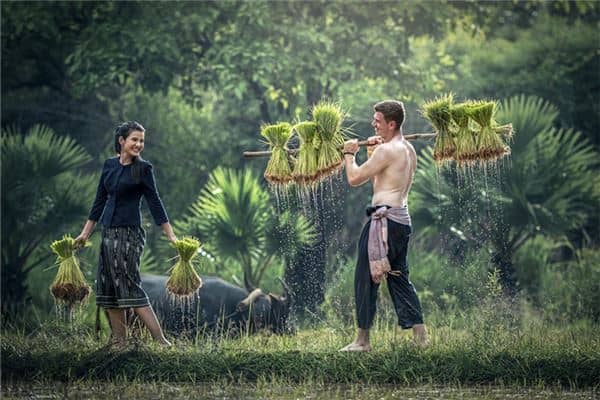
392,184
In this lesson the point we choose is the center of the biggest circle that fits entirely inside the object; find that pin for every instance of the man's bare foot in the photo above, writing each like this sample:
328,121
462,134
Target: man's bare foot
420,336
356,347
421,342
165,344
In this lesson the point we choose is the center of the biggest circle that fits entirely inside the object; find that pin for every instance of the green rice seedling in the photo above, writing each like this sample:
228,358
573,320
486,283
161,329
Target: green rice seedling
184,281
490,145
278,171
438,113
306,168
465,138
505,131
69,285
329,118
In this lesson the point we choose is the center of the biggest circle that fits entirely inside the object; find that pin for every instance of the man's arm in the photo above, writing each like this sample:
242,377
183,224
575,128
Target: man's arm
357,175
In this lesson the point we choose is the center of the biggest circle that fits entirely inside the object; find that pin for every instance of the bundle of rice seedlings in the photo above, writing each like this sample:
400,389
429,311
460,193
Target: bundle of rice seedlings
438,113
490,145
279,171
504,130
306,169
329,117
184,281
465,140
69,285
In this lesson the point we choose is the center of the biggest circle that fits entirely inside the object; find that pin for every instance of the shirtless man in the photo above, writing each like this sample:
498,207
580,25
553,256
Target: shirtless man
382,248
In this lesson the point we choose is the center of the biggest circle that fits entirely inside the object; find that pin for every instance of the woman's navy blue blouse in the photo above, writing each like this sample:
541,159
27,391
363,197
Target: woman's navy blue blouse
118,198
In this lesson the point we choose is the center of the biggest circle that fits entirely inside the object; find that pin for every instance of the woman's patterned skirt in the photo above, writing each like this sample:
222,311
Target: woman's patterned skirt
118,283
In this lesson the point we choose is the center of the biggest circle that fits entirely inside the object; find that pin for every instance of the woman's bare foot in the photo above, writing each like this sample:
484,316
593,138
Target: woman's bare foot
117,344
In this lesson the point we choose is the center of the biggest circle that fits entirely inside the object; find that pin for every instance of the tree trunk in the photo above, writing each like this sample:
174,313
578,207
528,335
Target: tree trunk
249,283
502,259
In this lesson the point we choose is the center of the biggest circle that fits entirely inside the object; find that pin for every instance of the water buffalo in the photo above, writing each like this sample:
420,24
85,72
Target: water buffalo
218,307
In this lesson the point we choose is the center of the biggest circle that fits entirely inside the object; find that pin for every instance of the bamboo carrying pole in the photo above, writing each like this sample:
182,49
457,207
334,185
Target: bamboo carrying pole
265,153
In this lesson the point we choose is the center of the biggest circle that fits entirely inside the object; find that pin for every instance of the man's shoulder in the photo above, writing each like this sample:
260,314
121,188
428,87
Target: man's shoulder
385,150
400,146
409,146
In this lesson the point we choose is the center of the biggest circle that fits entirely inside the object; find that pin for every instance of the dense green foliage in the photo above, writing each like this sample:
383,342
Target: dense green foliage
549,187
242,228
203,76
41,194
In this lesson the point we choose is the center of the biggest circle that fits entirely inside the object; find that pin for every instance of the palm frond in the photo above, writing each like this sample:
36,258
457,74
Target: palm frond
38,155
41,192
230,213
556,180
529,116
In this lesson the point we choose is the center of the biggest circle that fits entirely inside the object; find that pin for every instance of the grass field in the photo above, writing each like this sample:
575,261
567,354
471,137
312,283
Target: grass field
527,356
283,390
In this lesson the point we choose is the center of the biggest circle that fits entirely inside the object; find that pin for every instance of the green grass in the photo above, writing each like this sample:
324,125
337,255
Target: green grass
281,389
530,355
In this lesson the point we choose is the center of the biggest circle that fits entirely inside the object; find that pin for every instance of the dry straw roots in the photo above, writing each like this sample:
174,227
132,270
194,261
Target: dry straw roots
184,281
69,285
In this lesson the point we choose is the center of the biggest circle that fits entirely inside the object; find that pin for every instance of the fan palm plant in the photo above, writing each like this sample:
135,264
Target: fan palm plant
235,217
549,187
552,187
42,195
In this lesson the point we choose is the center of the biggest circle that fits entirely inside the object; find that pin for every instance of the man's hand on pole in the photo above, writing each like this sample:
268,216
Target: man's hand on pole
373,141
351,146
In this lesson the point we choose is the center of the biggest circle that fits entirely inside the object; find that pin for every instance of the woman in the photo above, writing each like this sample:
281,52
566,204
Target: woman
123,181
